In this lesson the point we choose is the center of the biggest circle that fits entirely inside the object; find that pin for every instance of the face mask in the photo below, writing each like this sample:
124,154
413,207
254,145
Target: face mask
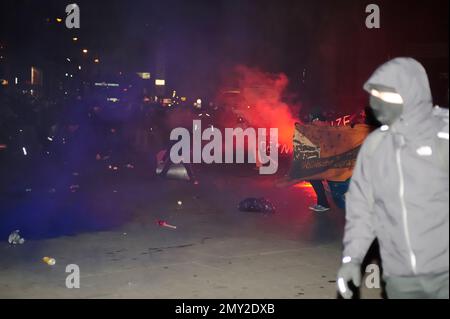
386,113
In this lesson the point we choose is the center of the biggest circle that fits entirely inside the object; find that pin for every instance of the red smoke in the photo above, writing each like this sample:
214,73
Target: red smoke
257,97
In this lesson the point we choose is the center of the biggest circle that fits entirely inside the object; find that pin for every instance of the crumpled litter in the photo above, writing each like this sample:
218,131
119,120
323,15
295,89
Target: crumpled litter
49,261
15,239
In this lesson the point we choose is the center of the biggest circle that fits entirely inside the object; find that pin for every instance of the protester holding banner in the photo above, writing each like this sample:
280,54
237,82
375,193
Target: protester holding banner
322,201
322,204
326,153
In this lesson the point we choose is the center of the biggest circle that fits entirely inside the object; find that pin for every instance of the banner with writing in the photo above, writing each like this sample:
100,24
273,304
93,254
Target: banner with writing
326,152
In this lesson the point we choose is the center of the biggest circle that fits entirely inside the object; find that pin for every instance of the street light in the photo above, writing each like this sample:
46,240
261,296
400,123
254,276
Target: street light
96,60
85,51
198,103
75,39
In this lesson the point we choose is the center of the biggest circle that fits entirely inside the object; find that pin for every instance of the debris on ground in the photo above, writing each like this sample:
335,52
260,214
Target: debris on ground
256,205
15,239
49,261
163,223
74,188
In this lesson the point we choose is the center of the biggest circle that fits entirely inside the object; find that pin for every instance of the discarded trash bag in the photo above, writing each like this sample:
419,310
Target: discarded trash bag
165,168
174,171
15,239
256,205
178,171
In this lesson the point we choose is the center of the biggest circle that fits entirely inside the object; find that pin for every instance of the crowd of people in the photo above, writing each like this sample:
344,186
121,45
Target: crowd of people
72,135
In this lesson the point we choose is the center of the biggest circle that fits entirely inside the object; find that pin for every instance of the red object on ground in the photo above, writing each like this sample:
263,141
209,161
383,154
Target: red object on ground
162,223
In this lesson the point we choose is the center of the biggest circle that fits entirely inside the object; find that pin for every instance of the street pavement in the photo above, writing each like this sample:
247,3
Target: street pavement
216,251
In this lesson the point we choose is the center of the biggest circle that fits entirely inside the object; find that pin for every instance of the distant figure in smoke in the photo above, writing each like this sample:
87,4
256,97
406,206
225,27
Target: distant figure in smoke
399,191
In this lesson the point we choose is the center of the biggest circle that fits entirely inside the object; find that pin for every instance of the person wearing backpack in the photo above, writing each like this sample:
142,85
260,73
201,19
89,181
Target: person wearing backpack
399,192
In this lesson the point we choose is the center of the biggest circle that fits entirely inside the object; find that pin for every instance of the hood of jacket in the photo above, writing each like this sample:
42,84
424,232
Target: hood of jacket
409,78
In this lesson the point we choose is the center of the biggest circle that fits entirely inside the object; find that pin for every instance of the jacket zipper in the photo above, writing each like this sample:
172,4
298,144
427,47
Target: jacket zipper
412,257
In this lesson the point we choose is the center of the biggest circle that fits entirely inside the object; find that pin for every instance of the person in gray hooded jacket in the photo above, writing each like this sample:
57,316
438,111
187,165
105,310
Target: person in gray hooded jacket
399,192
